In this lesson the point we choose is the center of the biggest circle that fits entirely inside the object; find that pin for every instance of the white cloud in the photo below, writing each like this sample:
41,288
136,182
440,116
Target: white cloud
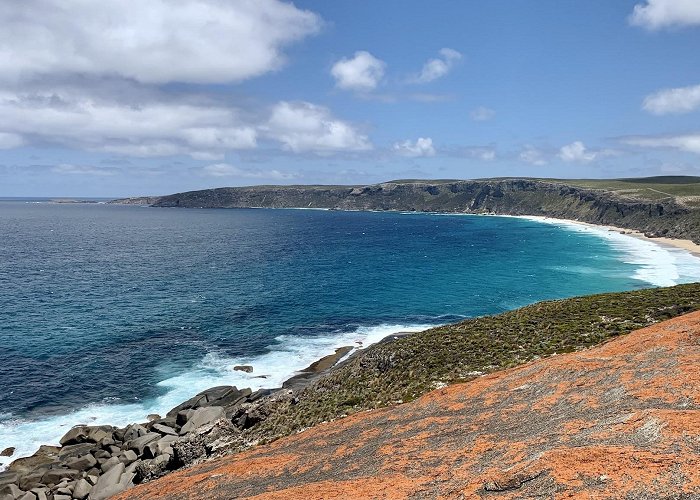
362,72
689,143
656,14
577,152
68,169
136,129
482,113
228,170
302,126
438,67
677,100
423,146
486,154
9,140
158,41
533,156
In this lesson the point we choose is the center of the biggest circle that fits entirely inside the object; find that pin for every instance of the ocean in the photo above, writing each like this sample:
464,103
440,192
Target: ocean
109,313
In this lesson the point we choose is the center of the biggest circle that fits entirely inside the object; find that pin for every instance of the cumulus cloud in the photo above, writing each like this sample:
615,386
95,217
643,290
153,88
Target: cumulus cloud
423,146
533,156
657,14
437,67
676,100
140,129
362,72
576,152
159,41
303,126
228,170
689,143
482,114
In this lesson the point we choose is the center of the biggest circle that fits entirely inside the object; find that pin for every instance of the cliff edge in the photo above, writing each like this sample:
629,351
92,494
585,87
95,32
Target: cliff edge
621,420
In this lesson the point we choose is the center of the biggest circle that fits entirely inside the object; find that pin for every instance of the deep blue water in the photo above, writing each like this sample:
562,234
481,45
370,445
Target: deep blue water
120,311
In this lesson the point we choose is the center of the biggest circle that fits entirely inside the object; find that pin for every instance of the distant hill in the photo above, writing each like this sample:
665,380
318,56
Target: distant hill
658,206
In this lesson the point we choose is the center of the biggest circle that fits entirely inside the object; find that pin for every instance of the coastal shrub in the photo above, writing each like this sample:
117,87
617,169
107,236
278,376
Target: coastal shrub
403,369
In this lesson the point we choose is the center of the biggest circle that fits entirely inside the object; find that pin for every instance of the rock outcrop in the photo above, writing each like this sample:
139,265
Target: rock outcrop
620,420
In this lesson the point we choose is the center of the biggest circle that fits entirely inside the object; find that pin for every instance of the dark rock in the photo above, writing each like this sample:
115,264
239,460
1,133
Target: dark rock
152,417
99,454
82,489
7,452
75,450
118,434
78,434
114,450
243,368
8,477
201,417
260,393
134,431
28,496
109,463
40,493
10,491
167,421
105,486
31,480
183,416
44,456
214,396
139,443
63,491
86,462
128,457
100,433
54,476
57,496
164,429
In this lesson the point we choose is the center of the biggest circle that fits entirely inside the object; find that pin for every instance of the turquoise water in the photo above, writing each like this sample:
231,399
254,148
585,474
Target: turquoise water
108,313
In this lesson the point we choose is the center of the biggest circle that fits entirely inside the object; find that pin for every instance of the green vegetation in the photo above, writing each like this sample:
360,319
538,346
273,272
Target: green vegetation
405,368
648,188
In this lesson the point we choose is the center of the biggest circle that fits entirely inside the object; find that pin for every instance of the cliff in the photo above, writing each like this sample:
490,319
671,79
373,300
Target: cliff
619,420
650,210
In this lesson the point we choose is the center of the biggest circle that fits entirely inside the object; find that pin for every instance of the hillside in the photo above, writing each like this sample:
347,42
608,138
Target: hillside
616,421
660,206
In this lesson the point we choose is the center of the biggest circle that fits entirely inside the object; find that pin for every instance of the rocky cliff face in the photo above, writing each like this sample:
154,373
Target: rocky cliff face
616,421
665,217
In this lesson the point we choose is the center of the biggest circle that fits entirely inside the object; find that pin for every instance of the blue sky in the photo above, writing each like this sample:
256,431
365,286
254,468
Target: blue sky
124,97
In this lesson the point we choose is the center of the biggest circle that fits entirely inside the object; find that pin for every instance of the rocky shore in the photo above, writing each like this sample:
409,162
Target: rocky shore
97,462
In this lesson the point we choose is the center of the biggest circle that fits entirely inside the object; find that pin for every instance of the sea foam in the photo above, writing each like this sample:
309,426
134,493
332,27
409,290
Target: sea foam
284,358
657,264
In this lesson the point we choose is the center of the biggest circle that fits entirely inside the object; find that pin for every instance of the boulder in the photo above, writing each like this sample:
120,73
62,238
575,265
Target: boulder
82,489
97,434
140,443
260,393
109,463
152,417
128,457
105,486
183,416
201,417
31,480
102,454
85,462
58,496
134,431
7,452
8,477
44,457
27,496
78,434
243,368
164,429
54,476
209,397
40,493
164,443
75,450
63,491
10,491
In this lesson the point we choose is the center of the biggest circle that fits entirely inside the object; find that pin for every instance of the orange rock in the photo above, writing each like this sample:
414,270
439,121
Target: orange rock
621,420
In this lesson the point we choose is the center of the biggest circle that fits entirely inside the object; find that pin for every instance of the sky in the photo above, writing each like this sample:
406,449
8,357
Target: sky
127,98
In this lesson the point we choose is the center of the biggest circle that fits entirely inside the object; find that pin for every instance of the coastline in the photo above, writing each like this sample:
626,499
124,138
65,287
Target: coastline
687,245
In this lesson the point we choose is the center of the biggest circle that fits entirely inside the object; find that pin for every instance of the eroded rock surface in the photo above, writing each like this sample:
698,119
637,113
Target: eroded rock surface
621,420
